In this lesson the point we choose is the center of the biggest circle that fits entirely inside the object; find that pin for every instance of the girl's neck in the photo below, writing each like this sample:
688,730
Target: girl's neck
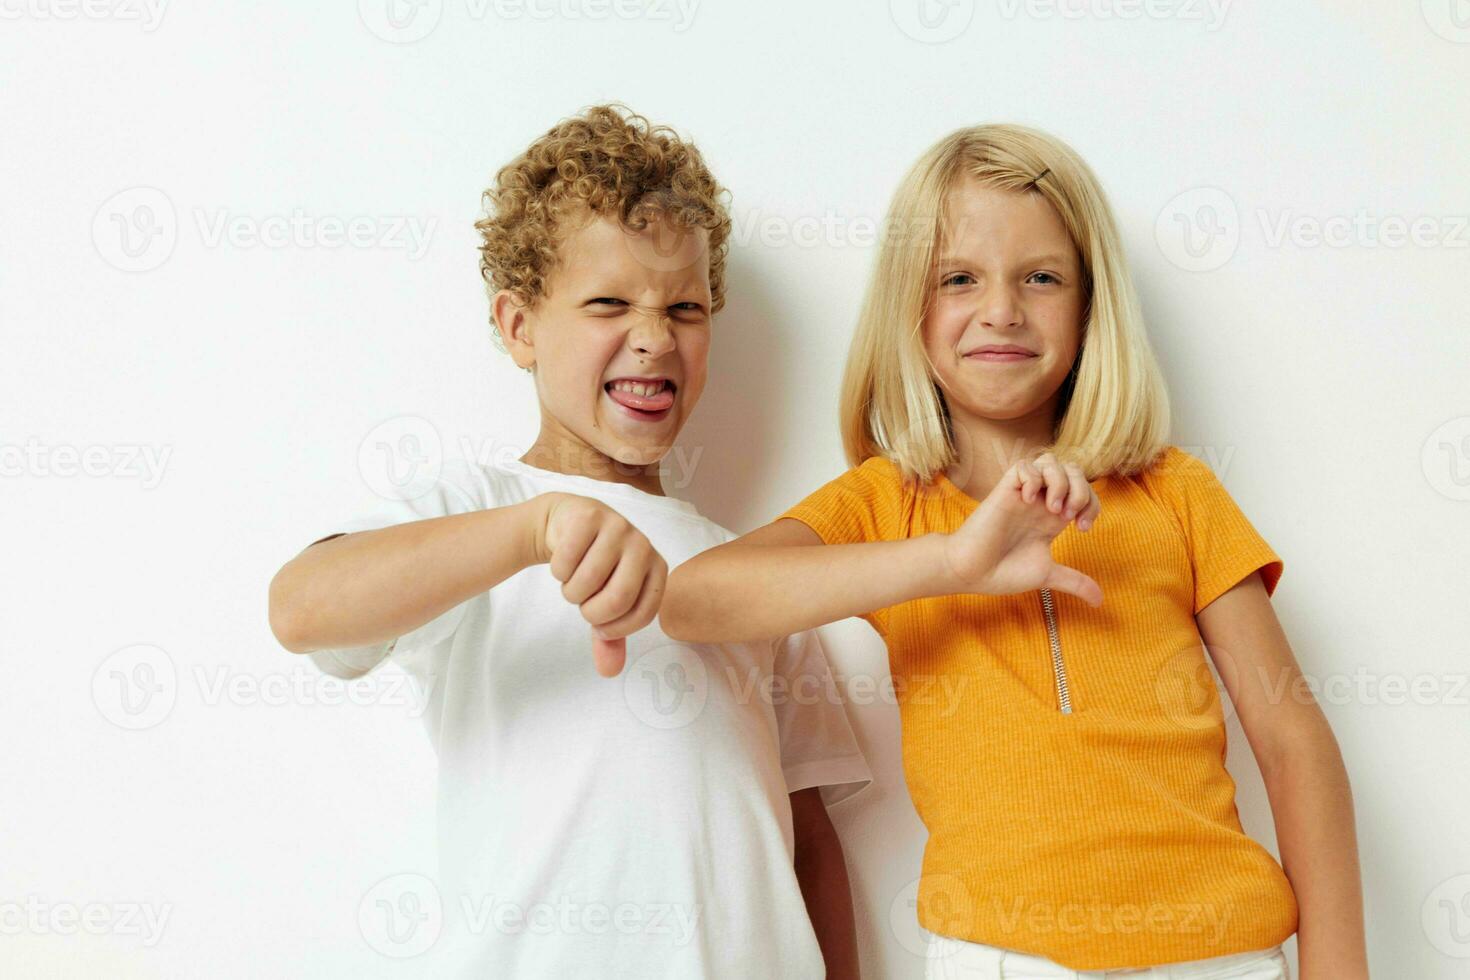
985,448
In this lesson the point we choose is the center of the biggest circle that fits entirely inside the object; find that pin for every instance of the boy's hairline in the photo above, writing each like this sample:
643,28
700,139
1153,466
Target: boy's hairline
583,216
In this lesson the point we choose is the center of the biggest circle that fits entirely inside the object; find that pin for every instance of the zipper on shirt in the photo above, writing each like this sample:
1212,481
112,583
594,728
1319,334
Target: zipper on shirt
1058,668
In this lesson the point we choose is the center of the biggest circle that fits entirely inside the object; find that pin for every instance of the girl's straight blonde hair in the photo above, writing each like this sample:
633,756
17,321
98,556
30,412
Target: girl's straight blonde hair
1113,414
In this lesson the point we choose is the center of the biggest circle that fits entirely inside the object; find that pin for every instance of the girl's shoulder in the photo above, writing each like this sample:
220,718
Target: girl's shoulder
876,476
879,471
1173,471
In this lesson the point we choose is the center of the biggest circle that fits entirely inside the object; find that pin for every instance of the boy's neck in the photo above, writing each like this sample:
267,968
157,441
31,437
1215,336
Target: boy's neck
561,455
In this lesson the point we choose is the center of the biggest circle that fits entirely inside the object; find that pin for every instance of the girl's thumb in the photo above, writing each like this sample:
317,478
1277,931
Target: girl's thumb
1073,582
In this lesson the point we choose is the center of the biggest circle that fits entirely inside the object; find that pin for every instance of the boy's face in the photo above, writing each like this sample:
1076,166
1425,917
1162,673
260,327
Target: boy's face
1008,276
620,339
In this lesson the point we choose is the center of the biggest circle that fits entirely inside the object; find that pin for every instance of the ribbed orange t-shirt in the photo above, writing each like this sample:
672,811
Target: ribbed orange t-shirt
1069,762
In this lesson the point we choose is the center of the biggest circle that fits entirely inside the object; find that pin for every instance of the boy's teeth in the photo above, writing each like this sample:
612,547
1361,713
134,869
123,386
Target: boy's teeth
639,388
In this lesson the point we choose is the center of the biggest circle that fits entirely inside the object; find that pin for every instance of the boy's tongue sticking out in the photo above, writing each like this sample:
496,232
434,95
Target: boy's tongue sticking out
645,397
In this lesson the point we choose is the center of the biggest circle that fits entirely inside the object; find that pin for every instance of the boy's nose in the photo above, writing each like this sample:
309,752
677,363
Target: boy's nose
651,336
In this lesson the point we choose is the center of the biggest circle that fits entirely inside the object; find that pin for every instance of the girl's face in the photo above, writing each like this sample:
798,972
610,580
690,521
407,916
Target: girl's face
1006,304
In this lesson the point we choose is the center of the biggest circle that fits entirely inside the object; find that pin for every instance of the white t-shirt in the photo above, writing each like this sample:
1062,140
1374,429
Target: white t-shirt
636,826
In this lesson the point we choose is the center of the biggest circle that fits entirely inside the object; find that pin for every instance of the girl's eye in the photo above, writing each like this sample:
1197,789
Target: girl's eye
957,279
1047,276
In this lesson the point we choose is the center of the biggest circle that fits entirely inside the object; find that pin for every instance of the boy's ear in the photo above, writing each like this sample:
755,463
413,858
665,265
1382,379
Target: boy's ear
510,317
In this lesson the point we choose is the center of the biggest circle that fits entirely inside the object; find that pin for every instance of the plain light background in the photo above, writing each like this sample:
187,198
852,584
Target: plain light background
237,266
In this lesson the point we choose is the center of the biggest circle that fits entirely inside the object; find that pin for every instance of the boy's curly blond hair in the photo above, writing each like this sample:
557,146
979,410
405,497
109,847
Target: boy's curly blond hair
610,161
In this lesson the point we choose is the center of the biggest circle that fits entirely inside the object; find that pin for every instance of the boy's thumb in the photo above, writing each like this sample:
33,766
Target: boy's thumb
608,656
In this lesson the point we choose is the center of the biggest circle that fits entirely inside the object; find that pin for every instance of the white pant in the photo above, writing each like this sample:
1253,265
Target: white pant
955,959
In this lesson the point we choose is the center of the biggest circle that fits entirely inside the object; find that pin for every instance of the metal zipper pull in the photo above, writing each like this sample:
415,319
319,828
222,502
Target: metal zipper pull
1059,669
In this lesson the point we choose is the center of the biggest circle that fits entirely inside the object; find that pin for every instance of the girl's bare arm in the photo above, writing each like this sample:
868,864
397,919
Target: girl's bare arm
775,581
772,582
1311,801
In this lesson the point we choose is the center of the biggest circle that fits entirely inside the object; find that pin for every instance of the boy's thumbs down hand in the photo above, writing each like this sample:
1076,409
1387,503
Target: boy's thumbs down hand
607,568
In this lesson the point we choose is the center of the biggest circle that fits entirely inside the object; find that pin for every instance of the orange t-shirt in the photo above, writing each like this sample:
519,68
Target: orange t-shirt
1069,762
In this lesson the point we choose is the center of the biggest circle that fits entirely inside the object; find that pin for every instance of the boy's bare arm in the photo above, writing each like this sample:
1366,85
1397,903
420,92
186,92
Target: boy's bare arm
372,586
822,873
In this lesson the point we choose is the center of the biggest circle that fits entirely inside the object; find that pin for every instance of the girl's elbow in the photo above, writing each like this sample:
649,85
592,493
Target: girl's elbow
673,610
283,611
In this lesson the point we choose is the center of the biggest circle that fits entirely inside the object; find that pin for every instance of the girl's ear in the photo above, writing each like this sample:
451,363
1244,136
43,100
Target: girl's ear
510,317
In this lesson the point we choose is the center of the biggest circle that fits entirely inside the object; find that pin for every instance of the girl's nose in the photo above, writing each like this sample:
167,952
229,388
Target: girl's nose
999,307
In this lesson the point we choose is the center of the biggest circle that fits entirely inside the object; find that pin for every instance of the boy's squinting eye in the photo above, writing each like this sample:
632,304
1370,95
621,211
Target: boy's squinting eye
606,300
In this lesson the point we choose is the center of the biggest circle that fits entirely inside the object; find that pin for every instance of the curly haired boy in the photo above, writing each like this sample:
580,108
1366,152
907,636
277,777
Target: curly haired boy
671,823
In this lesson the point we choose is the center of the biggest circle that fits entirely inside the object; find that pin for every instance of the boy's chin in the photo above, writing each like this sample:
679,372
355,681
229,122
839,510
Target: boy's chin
641,452
638,443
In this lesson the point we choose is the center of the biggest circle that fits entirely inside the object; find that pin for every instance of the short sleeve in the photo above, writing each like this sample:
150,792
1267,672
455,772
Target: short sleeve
456,490
818,747
1224,547
856,507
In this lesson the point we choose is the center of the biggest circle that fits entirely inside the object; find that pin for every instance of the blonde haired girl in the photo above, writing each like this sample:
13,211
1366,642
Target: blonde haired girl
1007,426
